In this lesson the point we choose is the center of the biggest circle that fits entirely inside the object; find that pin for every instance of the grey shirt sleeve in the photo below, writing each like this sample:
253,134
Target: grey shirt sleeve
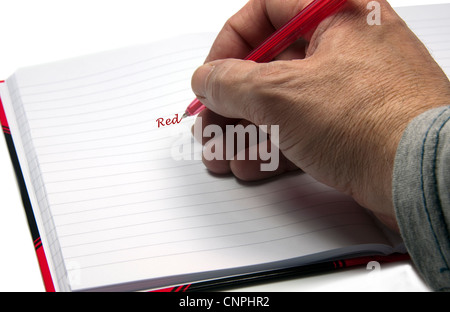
421,194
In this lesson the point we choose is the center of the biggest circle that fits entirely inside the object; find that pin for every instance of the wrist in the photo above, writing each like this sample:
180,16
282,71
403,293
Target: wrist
374,188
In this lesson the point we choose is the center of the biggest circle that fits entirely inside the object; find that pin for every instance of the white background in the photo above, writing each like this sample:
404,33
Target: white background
34,32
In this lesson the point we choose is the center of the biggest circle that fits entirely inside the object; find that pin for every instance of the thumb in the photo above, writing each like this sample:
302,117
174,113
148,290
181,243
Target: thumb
226,87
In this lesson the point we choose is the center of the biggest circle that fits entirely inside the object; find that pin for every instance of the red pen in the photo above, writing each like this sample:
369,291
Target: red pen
298,26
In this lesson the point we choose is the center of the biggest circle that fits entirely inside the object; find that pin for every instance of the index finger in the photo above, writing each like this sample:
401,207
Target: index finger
251,25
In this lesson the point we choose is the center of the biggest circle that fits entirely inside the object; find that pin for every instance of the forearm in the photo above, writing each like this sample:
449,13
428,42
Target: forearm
421,194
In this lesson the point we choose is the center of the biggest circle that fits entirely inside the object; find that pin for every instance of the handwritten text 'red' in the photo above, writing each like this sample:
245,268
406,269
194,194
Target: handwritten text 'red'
168,121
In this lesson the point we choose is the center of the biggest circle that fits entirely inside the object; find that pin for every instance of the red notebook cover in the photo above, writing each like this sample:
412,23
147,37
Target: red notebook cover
40,253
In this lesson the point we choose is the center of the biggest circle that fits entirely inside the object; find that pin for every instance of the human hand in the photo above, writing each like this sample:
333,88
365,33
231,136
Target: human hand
341,98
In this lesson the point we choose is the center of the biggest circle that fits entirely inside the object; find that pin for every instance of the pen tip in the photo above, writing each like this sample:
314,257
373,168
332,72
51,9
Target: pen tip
184,116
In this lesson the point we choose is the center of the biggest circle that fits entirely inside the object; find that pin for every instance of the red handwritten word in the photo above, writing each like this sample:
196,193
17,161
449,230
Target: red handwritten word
169,121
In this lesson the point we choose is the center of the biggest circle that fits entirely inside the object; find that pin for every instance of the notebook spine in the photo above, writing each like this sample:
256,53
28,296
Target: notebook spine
39,249
316,268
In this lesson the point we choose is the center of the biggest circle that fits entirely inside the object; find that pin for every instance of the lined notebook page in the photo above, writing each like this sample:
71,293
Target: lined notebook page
124,209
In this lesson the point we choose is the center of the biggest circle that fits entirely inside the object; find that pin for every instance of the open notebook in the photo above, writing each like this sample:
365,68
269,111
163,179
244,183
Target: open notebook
113,206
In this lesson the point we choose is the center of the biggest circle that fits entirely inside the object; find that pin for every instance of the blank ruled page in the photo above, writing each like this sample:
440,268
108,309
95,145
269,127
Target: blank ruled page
126,208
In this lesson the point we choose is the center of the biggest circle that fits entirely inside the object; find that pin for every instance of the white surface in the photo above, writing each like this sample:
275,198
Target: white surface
35,32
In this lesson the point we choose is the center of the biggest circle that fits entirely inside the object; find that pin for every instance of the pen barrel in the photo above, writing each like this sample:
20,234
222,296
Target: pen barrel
194,108
297,27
